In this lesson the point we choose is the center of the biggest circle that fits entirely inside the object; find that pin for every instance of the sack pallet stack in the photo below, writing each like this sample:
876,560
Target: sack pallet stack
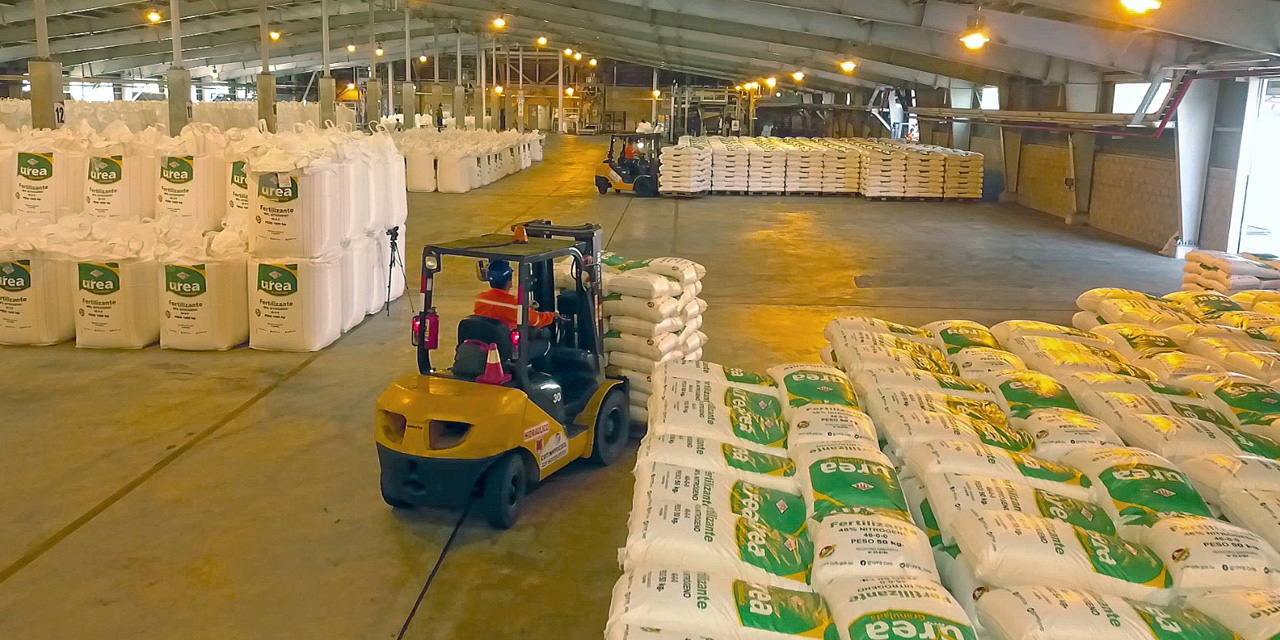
804,166
730,165
963,173
841,167
768,165
926,174
686,167
884,170
1230,273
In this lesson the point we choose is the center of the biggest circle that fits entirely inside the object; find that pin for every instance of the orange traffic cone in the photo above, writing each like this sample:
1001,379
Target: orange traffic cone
493,373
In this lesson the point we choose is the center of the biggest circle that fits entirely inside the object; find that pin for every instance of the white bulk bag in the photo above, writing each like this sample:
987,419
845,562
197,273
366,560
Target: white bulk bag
204,304
8,169
117,304
119,185
36,295
239,193
420,171
364,255
192,188
728,494
353,300
296,212
848,548
453,173
46,182
294,304
1043,613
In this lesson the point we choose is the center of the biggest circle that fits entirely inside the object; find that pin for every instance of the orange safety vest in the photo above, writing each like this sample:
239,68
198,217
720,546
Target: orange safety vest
499,304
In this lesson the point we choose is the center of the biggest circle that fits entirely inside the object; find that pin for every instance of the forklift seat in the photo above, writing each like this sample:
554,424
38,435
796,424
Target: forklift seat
471,356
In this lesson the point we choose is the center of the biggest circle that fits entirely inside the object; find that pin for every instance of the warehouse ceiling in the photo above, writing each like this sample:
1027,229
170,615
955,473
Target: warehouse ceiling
898,42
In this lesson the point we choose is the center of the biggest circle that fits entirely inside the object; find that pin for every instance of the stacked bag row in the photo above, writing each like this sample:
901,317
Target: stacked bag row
200,241
763,509
457,160
139,115
1056,479
686,167
1230,273
652,315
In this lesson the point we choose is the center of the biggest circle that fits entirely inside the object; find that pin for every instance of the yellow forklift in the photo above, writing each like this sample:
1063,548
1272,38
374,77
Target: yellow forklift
633,164
518,404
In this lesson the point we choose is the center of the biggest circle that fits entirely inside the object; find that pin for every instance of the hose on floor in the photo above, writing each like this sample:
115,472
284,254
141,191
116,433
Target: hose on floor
434,570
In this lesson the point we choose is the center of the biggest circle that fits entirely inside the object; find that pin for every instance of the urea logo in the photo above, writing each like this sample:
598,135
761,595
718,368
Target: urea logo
106,169
238,177
272,187
187,281
35,166
278,279
99,278
177,169
15,276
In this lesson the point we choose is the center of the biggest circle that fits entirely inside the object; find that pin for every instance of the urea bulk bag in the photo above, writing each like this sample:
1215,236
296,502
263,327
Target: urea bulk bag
453,173
353,300
8,168
239,195
420,171
192,183
698,603
728,494
951,495
851,547
892,402
1204,554
47,180
1045,613
120,184
1252,614
296,210
974,459
1132,483
294,304
763,469
1008,549
117,303
204,303
896,609
364,254
697,536
37,290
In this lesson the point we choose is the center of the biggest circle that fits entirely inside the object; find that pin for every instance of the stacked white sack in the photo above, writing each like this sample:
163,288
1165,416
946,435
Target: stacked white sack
204,296
730,165
1227,273
686,167
804,166
37,286
768,165
841,167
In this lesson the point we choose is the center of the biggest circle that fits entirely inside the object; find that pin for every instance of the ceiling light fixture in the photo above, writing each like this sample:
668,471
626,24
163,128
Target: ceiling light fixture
798,76
499,23
379,51
351,48
274,35
568,91
422,59
577,55
976,37
592,62
542,41
1141,6
568,52
657,93
771,82
154,16
848,66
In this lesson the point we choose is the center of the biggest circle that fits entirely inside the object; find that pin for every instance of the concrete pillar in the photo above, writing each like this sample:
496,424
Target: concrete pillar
653,109
560,94
962,97
46,77
459,90
1083,151
328,90
1196,115
267,100
482,87
1011,142
179,99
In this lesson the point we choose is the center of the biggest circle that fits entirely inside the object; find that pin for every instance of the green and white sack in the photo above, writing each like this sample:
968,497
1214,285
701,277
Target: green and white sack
763,469
851,547
654,348
1216,476
972,362
838,326
651,309
962,334
1178,438
734,424
903,431
803,384
727,493
1204,554
974,459
830,423
951,495
1256,510
1007,331
869,381
1042,613
710,372
896,608
1250,614
1132,484
1058,432
1021,392
841,478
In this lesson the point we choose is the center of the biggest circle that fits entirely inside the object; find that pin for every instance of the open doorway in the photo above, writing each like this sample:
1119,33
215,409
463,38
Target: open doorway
1255,219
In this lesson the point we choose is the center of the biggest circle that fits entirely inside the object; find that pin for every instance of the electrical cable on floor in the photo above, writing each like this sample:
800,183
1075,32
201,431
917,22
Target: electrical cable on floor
435,569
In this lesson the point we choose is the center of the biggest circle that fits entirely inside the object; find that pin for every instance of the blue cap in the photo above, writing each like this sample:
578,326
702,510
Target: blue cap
499,274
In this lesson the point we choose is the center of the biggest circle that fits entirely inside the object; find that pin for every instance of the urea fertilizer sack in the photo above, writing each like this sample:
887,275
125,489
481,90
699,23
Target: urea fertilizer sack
849,548
641,284
681,270
642,382
974,361
1143,312
204,304
838,326
1256,510
1251,402
1005,332
1091,299
694,343
921,510
1132,483
830,423
653,310
1205,554
1263,366
843,478
1086,321
1173,366
763,469
1059,358
895,401
1263,319
1057,432
1178,438
119,185
962,334
1134,341
1045,613
852,360
757,404
294,304
295,212
46,182
1021,392
1249,339
1009,549
859,340
1216,476
1084,383
117,304
868,382
696,536
644,328
1113,406
902,431
686,416
779,510
37,291
1252,614
897,609
957,576
969,458
1205,305
693,309
642,364
653,347
951,495
803,384
1250,299
678,600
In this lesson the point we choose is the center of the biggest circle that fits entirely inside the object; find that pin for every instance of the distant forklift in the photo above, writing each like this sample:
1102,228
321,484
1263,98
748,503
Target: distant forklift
633,164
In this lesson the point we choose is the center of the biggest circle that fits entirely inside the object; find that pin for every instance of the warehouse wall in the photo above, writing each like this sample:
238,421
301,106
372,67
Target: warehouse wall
1042,176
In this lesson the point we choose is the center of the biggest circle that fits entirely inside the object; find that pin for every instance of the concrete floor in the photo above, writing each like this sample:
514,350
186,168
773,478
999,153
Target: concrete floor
158,494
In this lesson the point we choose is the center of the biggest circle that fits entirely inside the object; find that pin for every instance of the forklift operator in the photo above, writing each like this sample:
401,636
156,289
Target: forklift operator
499,303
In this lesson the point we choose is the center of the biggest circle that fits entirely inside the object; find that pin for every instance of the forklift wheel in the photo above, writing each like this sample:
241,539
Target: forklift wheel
394,501
504,488
613,428
602,185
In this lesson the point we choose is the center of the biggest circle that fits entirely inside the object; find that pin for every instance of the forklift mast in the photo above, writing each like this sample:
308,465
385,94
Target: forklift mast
590,241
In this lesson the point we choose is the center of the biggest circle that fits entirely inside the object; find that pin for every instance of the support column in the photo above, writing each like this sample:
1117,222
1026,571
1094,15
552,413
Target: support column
1011,142
1083,151
483,88
408,91
373,88
266,81
962,97
1196,114
46,77
520,93
179,77
326,88
459,90
560,93
653,108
